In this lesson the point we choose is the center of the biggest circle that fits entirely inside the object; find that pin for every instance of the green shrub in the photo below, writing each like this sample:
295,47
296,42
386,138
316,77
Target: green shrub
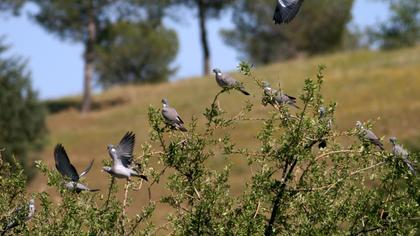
295,188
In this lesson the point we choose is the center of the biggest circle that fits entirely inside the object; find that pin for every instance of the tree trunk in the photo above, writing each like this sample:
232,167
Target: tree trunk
89,58
203,34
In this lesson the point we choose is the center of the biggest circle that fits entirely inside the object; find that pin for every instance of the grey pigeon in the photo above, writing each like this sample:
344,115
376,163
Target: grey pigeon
122,158
286,10
227,82
321,112
66,169
370,136
399,151
279,97
172,117
20,215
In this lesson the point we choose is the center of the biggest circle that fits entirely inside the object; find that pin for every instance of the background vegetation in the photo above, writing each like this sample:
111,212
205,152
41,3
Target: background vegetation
245,166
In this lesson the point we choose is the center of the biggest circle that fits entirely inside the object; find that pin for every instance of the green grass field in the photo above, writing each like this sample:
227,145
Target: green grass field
365,85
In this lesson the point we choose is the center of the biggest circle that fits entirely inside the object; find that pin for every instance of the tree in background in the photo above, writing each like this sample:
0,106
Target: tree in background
135,53
205,9
318,28
401,29
22,116
87,21
12,6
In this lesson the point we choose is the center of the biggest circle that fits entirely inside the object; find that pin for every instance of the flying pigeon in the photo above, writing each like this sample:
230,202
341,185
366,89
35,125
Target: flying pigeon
279,97
66,169
286,10
171,116
20,215
370,136
227,82
399,151
122,158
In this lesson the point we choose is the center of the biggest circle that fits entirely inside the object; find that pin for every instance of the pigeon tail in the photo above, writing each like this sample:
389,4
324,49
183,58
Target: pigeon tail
140,176
277,16
182,128
244,91
379,144
322,144
410,166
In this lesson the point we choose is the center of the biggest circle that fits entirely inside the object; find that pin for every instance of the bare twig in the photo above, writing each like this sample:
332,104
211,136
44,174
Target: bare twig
351,174
258,208
198,194
126,187
109,191
155,180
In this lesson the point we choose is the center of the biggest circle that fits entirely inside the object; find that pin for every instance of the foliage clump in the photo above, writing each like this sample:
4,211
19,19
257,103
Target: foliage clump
348,187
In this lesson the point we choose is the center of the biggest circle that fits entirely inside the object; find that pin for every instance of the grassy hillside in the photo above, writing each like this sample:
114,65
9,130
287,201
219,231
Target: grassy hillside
366,85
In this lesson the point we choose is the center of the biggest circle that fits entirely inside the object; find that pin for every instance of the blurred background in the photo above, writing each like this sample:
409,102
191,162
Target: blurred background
82,73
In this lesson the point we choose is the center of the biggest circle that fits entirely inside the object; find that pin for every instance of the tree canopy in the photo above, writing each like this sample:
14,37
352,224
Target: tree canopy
401,29
90,22
318,28
135,53
22,116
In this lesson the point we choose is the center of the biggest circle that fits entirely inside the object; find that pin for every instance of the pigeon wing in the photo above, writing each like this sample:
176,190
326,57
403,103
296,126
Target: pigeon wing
286,10
290,97
373,138
87,169
63,165
172,116
125,148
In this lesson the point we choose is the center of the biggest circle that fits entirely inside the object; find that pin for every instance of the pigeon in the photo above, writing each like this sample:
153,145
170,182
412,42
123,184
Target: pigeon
279,97
66,169
122,158
171,116
399,151
286,10
370,136
20,215
227,82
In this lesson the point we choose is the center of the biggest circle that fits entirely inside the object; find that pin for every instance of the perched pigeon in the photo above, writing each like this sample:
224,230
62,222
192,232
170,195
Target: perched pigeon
20,215
171,116
227,82
286,10
370,136
279,97
399,151
66,169
122,158
321,112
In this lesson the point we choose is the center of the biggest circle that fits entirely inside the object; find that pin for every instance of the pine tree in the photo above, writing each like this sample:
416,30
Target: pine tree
22,116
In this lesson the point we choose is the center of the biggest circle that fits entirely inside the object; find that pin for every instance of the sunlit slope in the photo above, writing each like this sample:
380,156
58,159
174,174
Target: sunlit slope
366,85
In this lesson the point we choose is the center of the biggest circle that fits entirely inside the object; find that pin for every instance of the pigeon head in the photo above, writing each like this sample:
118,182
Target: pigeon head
165,102
217,71
393,140
359,124
112,150
31,202
106,168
